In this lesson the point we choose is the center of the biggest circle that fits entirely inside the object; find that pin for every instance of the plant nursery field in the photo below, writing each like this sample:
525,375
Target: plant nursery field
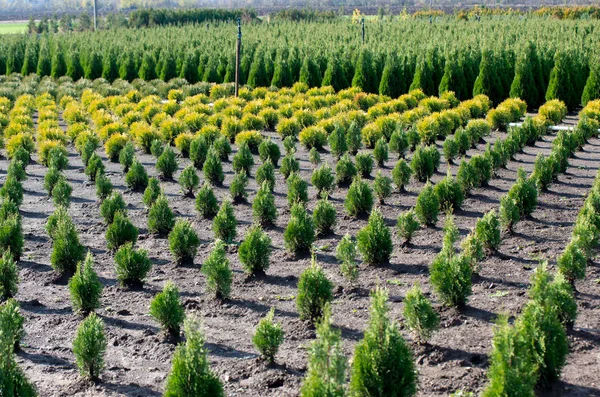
305,201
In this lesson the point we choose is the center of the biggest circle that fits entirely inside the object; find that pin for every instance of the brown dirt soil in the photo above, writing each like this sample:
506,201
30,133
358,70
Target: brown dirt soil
138,356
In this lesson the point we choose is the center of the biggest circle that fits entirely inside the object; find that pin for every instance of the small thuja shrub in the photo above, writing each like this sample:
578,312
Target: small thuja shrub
359,199
508,213
449,192
222,148
11,235
213,168
268,336
299,234
337,142
326,374
131,265
57,158
190,371
85,288
407,225
322,179
401,175
482,167
345,253
375,240
382,187
167,309
255,251
487,231
198,151
16,169
289,165
189,180
152,192
382,351
398,143
120,231
466,176
136,177
264,210
572,262
364,164
127,156
61,194
289,145
11,325
512,366
353,138
243,161
237,189
160,217
345,170
269,151
166,165
554,292
315,291
94,166
89,347
380,152
60,215
224,224
217,272
472,247
543,171
297,189
9,276
156,148
324,217
419,314
266,173
206,202
66,249
104,187
450,149
183,242
50,180
423,163
524,193
314,157
111,205
427,207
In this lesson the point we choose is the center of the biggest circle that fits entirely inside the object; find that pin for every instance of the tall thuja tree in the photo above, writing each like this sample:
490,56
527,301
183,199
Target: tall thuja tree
74,67
189,67
230,70
168,66
488,81
110,69
44,65
222,68
295,63
591,90
391,77
423,78
127,69
282,76
310,74
246,64
59,66
210,70
258,74
31,58
93,66
505,64
470,65
523,85
334,74
365,75
454,77
148,67
562,85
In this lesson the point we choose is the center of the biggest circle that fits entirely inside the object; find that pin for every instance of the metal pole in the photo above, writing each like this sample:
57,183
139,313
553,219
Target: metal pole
237,56
95,23
363,30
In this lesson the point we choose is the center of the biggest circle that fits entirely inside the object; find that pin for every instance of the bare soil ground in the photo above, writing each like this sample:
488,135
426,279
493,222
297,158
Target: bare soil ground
138,355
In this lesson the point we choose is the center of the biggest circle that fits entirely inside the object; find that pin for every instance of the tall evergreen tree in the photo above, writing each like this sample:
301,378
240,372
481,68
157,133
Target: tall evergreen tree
488,81
561,85
148,68
592,85
334,75
30,60
189,68
258,75
282,76
310,73
110,69
168,67
523,85
390,83
59,66
365,76
93,67
74,68
454,77
127,70
44,65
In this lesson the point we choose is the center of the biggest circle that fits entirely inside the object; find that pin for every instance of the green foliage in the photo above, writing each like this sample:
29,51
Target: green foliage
221,147
66,249
190,372
424,162
255,251
58,158
326,374
89,347
167,309
166,164
264,210
156,148
337,141
300,231
268,336
364,164
131,265
482,169
85,288
382,187
104,187
315,291
322,179
419,315
314,157
289,165
198,151
217,272
111,205
189,180
12,190
572,262
297,189
152,192
473,248
398,143
206,201
345,170
266,173
289,144
554,292
9,276
401,174
183,242
313,137
375,240
324,217
213,169
427,207
353,138
127,156
407,225
509,213
345,253
380,152
450,149
269,151
160,217
61,194
487,230
449,192
94,166
543,171
359,199
524,193
11,234
243,160
383,364
16,170
120,231
50,180
136,178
